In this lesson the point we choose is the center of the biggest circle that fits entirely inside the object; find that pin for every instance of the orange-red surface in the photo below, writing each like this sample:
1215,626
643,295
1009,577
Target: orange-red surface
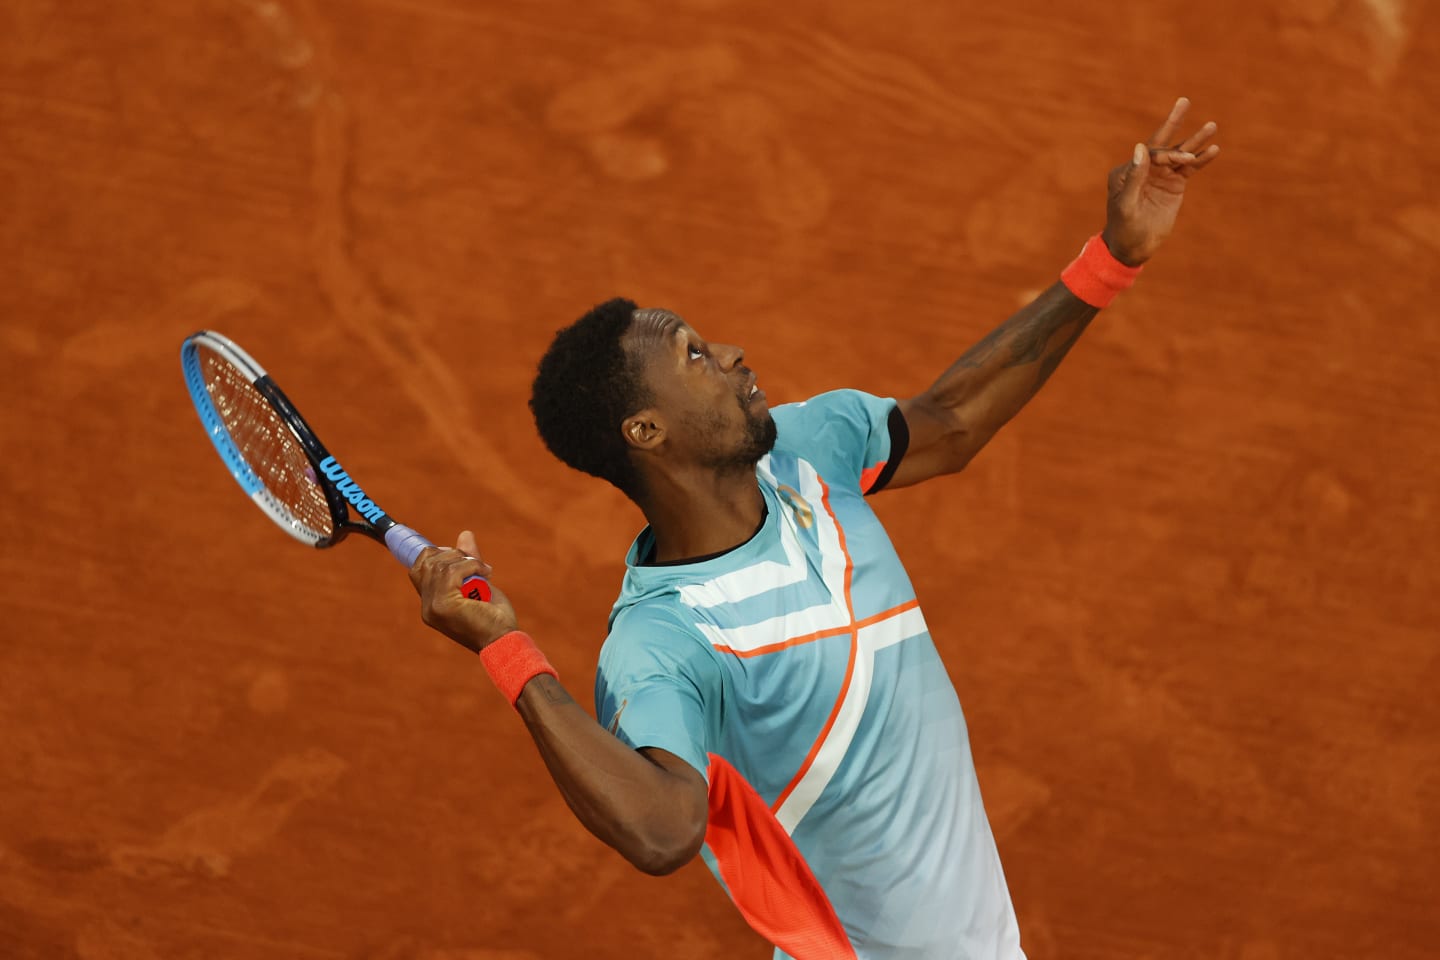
1189,598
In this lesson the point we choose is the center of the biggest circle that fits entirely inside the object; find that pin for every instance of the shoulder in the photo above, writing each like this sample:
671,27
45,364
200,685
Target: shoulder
846,404
655,637
845,434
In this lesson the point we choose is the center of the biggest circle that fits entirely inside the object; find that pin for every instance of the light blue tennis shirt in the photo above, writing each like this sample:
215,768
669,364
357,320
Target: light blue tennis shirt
797,674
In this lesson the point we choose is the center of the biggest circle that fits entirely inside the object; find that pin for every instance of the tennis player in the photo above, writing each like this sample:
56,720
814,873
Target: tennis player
768,696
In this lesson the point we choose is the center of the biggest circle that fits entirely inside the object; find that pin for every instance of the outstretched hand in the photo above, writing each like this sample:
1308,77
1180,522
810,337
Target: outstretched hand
437,576
1146,193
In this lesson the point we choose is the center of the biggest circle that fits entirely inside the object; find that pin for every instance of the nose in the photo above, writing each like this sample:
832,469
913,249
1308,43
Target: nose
729,355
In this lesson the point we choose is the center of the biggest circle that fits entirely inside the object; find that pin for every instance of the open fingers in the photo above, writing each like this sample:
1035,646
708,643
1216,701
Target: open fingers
1185,164
1202,159
1167,129
1171,158
1199,138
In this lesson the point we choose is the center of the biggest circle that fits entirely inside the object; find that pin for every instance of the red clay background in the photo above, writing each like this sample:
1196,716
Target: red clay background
1189,598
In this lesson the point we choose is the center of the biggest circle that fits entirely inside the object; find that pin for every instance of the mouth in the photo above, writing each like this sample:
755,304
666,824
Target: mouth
753,392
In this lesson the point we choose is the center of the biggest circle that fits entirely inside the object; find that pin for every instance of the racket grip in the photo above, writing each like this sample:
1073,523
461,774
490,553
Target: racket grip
405,544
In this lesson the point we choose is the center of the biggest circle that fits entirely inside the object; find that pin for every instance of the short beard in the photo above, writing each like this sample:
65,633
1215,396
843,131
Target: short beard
760,436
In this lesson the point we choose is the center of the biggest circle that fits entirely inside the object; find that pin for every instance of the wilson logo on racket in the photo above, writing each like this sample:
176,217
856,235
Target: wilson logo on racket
350,490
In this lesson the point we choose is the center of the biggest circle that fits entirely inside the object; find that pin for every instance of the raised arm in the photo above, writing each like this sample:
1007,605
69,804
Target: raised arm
649,805
991,381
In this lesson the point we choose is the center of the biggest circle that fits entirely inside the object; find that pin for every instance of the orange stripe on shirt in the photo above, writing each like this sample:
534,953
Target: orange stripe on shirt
785,644
849,665
820,634
873,619
824,731
840,533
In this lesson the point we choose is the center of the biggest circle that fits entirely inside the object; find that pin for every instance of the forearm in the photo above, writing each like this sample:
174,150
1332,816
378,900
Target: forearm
989,384
624,799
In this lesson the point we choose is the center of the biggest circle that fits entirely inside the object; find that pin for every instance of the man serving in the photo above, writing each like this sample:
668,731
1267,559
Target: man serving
768,695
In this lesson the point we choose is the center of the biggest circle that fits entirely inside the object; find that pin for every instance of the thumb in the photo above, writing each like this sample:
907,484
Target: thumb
1139,170
466,544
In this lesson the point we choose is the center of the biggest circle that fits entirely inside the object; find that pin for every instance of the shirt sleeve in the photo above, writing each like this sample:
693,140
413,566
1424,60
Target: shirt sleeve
657,685
847,434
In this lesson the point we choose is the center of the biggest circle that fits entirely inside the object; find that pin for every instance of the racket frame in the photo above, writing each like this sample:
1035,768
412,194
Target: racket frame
304,434
404,543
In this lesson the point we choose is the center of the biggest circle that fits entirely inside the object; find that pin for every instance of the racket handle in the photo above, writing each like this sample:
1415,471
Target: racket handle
406,545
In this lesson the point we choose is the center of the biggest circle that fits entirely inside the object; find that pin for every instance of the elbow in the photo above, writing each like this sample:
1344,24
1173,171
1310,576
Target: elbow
660,861
660,864
963,439
663,826
969,429
953,454
667,851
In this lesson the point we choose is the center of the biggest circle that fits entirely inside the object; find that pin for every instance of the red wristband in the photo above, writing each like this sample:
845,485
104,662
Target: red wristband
1095,276
513,661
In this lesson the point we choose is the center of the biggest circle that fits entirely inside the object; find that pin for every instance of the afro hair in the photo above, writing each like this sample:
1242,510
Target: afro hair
586,385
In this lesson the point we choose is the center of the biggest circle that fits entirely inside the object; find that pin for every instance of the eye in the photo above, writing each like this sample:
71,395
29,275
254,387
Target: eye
695,352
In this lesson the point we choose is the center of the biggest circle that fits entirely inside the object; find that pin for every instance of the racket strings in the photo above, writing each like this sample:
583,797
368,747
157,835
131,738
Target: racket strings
267,444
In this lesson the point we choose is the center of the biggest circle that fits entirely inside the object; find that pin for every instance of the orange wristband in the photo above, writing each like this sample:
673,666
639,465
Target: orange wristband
512,661
1095,276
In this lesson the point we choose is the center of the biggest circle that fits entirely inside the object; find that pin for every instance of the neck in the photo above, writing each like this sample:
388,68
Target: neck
698,513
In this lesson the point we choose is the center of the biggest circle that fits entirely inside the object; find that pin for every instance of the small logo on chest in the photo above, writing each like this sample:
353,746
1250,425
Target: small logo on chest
804,514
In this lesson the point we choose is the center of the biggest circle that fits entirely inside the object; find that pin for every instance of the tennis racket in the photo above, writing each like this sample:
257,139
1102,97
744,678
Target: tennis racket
279,462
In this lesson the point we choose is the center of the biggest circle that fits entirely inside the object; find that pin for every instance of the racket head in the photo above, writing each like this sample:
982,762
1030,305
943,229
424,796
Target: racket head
268,447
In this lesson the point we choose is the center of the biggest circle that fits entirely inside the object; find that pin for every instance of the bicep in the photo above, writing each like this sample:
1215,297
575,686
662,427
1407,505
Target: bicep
932,449
685,784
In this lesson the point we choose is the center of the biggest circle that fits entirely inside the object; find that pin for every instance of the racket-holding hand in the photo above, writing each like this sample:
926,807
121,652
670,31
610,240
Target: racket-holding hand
437,576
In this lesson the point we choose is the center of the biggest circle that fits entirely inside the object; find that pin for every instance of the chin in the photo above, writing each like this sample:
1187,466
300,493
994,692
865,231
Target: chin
760,436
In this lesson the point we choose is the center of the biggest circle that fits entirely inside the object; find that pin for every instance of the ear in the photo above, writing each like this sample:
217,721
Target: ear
644,430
